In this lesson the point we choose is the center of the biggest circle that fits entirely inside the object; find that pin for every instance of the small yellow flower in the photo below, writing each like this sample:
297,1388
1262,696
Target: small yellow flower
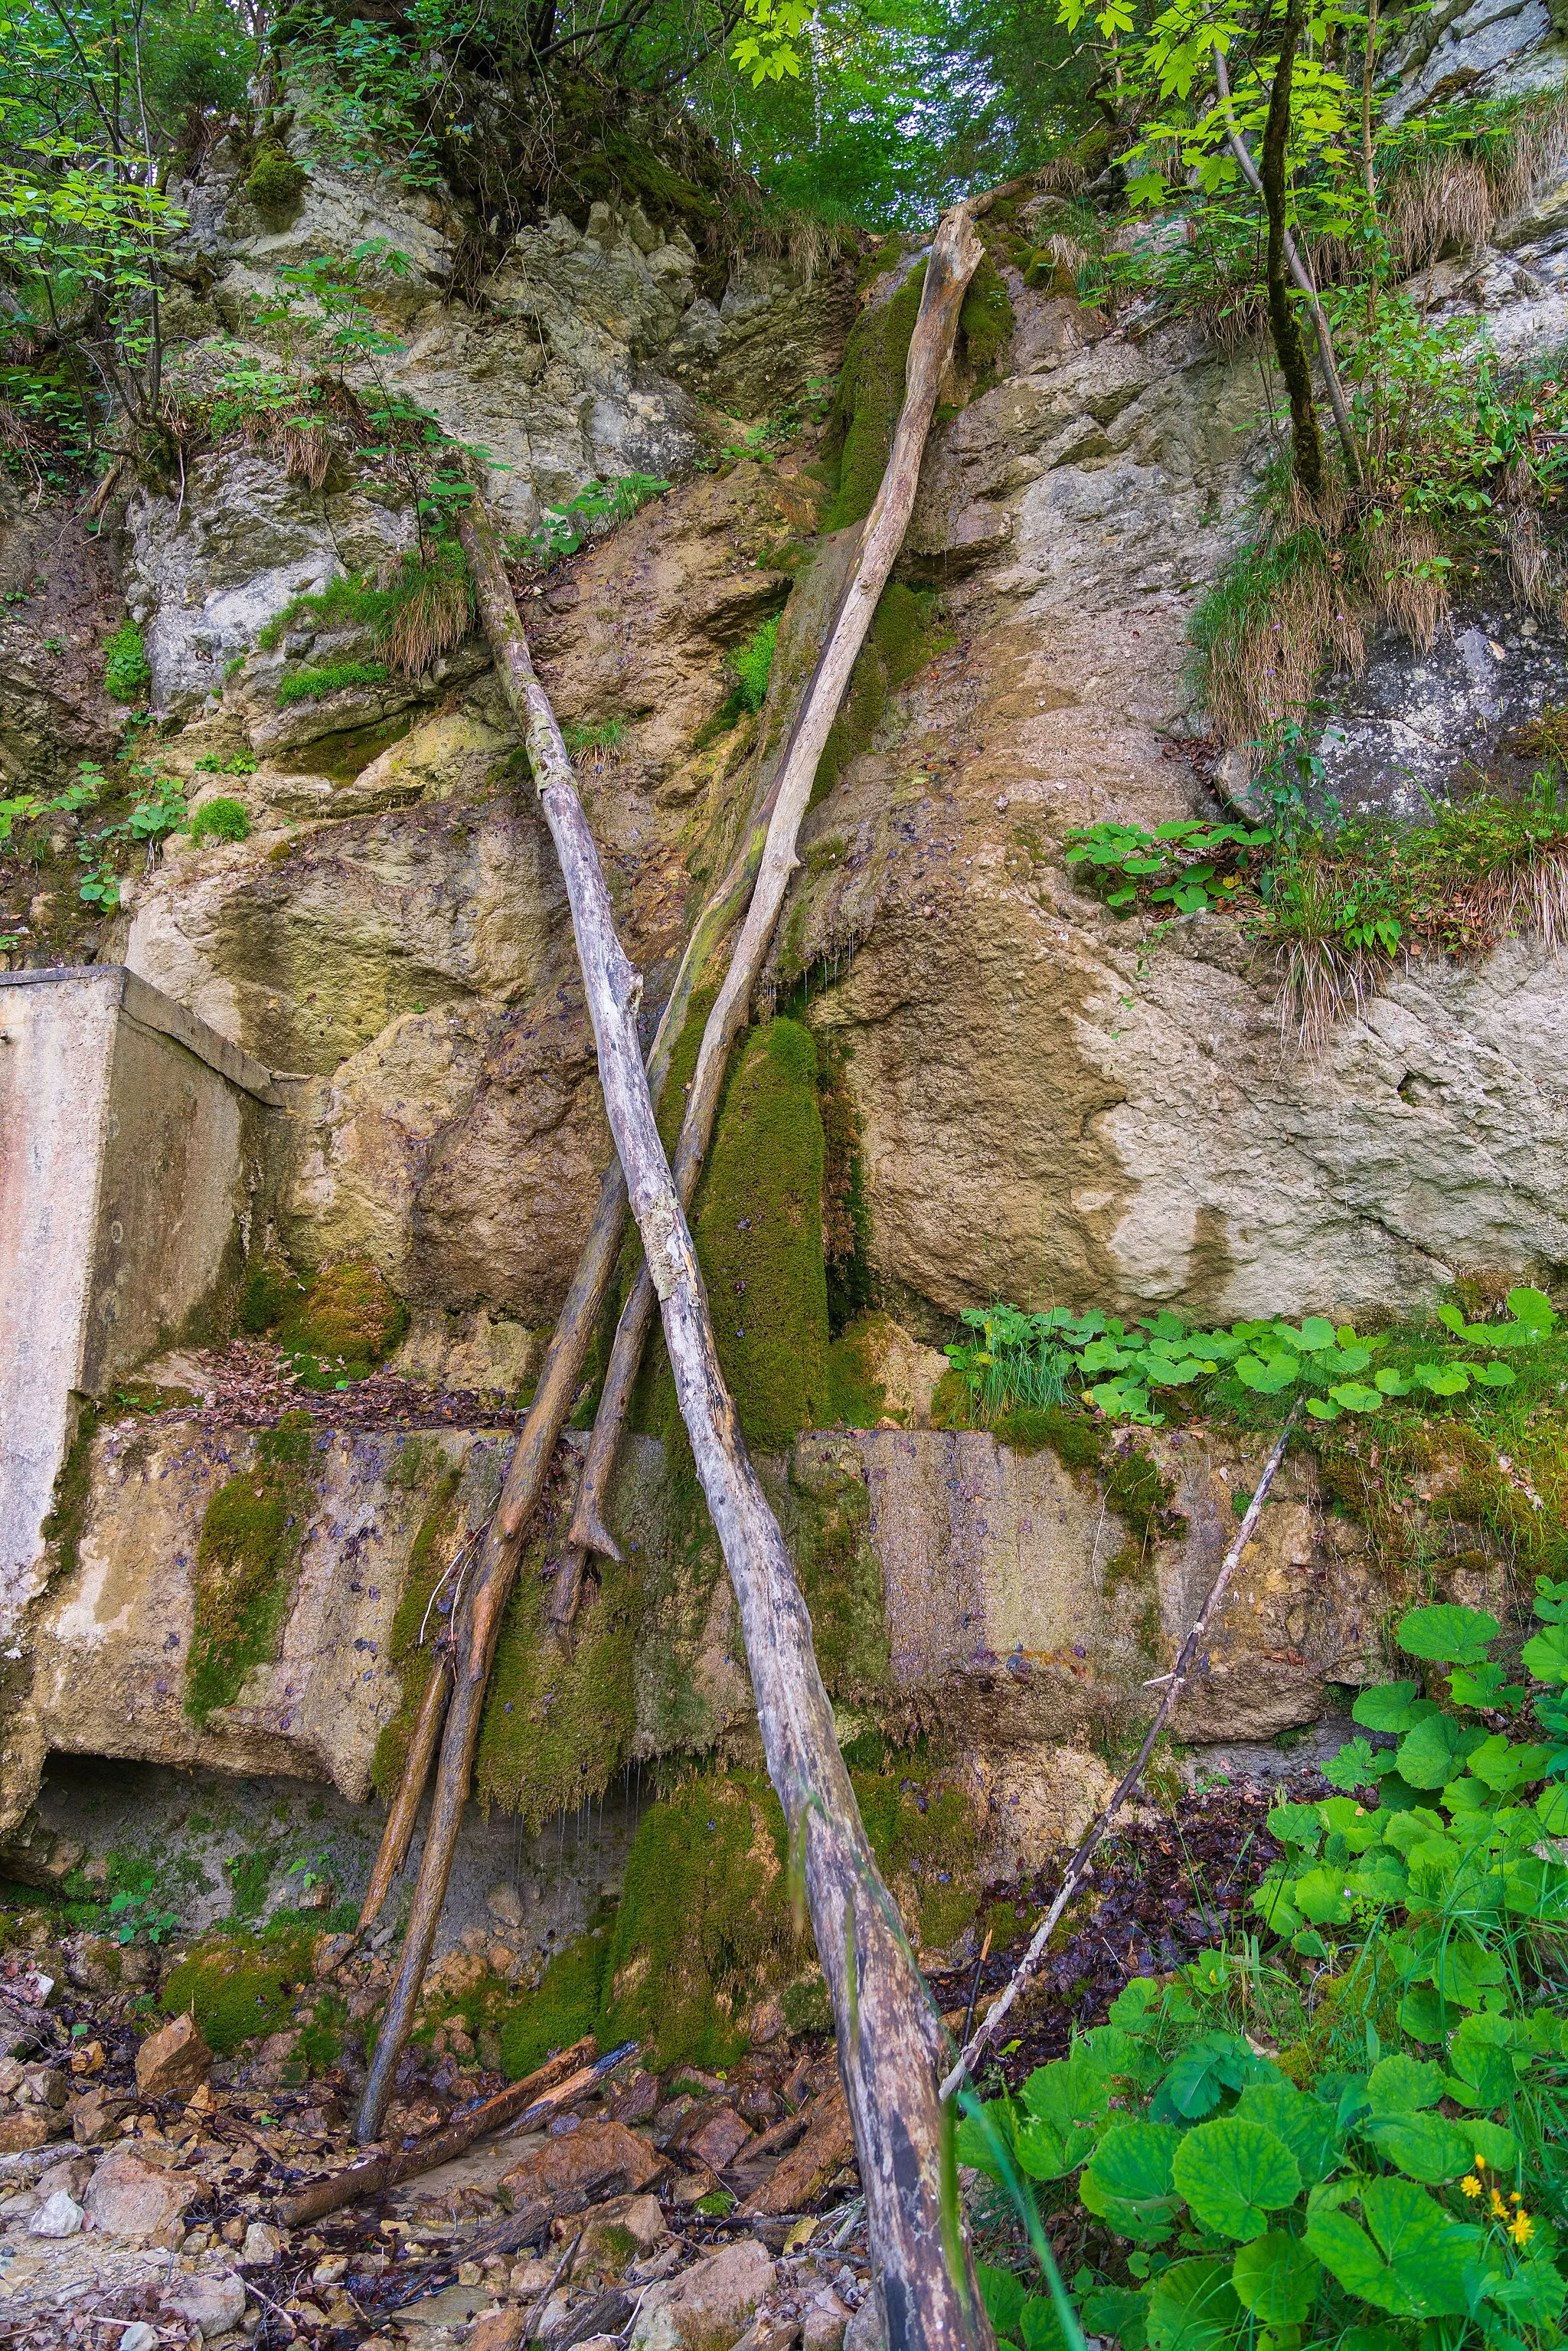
1470,2184
1515,2197
1480,2163
1499,2208
1522,2229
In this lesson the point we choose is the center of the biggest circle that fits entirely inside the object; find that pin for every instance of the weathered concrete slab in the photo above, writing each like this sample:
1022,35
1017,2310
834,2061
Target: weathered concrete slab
131,1159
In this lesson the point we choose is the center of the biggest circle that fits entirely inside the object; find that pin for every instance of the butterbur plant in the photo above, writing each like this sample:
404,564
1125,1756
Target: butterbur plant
1352,2140
1122,1368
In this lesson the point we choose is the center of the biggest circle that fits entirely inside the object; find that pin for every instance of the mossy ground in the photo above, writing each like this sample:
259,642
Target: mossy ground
249,1542
238,1986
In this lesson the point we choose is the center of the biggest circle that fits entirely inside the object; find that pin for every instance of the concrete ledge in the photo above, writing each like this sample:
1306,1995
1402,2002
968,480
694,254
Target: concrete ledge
153,1010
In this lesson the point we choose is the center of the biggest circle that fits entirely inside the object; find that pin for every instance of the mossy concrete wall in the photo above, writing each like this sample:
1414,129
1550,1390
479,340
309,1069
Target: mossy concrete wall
984,1593
132,1159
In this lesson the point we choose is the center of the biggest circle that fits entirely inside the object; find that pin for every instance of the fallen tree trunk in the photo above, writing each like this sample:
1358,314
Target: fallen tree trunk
951,265
569,2075
887,2036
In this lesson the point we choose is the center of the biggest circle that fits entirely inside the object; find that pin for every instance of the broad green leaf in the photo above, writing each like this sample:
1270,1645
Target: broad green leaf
1193,2308
973,2141
1040,2328
1503,1763
1324,1895
1350,1398
1429,1755
1450,1633
1441,1379
1063,2105
1545,1654
1490,2139
1303,2123
1004,2296
1276,2278
1214,2062
1128,2183
1234,2173
1463,1971
1482,2070
1413,2264
1387,1707
1117,2312
1534,1309
1423,2147
1298,1825
1356,1765
1403,2086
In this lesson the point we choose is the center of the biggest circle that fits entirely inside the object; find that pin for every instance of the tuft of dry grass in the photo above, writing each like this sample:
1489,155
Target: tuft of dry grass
433,615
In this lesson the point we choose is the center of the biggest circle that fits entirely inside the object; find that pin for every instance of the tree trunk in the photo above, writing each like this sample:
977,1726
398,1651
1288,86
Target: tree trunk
1290,346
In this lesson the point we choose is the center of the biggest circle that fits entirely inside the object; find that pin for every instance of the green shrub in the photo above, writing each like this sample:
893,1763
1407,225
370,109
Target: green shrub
221,820
126,670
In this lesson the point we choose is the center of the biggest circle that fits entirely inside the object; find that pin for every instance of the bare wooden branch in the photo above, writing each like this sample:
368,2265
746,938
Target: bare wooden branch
881,538
1173,1684
570,2074
398,1834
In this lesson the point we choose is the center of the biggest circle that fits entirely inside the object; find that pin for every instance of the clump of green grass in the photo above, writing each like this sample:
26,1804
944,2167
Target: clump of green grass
425,610
329,677
221,820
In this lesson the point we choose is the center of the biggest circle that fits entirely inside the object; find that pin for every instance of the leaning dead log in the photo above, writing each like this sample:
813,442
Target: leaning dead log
953,257
572,2074
472,1641
887,2036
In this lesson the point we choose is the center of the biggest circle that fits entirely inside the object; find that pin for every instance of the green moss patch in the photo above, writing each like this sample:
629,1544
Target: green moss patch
927,1845
703,1930
1131,1480
126,672
904,636
557,1728
856,1397
410,1658
986,321
840,1578
275,184
859,437
238,1986
758,1234
327,677
245,1556
338,1327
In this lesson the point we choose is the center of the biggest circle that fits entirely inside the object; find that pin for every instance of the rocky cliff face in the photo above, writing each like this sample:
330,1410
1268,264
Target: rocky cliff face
1046,1105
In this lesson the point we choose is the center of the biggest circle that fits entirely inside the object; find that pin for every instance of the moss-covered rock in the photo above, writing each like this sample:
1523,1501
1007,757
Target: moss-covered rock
275,184
986,321
245,1557
758,1234
338,1326
904,633
703,1930
869,395
840,1577
557,1728
409,1655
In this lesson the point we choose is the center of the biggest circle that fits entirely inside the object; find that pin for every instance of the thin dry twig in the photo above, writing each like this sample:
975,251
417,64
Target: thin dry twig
1175,1682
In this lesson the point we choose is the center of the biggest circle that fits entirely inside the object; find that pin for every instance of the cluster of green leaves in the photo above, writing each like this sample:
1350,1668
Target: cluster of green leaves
598,506
1187,865
126,674
1411,2182
139,1910
751,664
1122,1368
